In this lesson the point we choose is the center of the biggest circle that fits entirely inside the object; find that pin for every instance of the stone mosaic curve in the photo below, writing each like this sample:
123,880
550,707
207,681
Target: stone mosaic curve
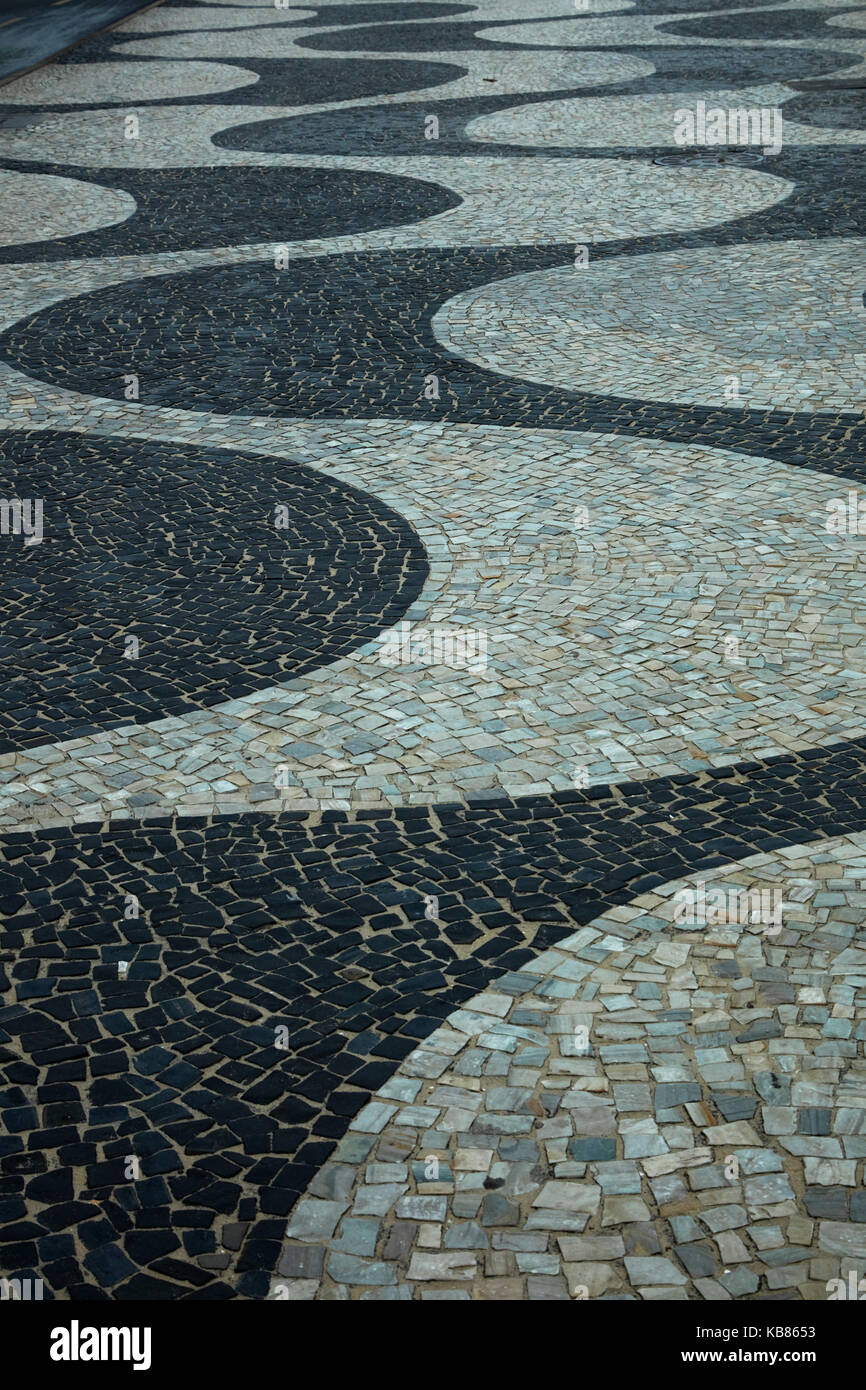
668,1104
439,202
168,18
226,606
627,608
228,1024
182,135
264,82
45,208
856,19
302,11
828,111
140,333
281,42
218,206
769,297
398,130
127,83
806,209
173,18
649,29
259,976
466,35
784,24
649,119
466,73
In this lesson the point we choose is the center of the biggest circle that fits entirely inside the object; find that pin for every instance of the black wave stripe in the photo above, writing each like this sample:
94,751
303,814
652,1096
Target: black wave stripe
386,12
687,6
351,335
383,13
468,35
186,209
399,129
782,25
839,110
179,547
327,15
249,924
282,81
476,34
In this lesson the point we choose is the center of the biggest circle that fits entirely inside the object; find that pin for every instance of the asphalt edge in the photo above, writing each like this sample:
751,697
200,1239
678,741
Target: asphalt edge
85,38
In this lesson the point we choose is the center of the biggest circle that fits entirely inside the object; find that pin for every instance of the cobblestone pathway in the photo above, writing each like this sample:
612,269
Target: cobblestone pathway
433,733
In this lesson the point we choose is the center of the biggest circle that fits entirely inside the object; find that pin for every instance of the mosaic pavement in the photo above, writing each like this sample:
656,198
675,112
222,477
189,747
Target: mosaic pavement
432,812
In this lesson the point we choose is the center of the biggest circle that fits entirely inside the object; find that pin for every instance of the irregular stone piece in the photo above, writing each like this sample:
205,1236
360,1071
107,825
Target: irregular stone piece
302,1261
349,1269
499,1210
656,1269
314,1219
698,1260
569,1196
589,1279
841,1238
446,1265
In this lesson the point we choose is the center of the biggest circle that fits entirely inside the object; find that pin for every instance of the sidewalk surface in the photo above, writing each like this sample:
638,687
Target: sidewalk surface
433,733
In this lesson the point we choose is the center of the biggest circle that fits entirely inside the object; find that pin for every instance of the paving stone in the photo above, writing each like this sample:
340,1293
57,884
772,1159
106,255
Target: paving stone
358,1236
589,1279
334,1182
840,1238
739,1282
641,1238
302,1261
313,1219
769,1189
543,1288
569,1196
654,1270
467,1235
498,1210
697,1259
724,1218
348,1269
830,1202
422,1208
827,1172
447,1265
592,1150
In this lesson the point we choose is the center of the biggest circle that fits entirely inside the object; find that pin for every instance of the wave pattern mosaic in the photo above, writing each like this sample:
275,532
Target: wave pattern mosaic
432,800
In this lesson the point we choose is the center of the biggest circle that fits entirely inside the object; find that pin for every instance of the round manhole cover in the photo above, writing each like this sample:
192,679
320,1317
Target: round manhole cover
705,158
